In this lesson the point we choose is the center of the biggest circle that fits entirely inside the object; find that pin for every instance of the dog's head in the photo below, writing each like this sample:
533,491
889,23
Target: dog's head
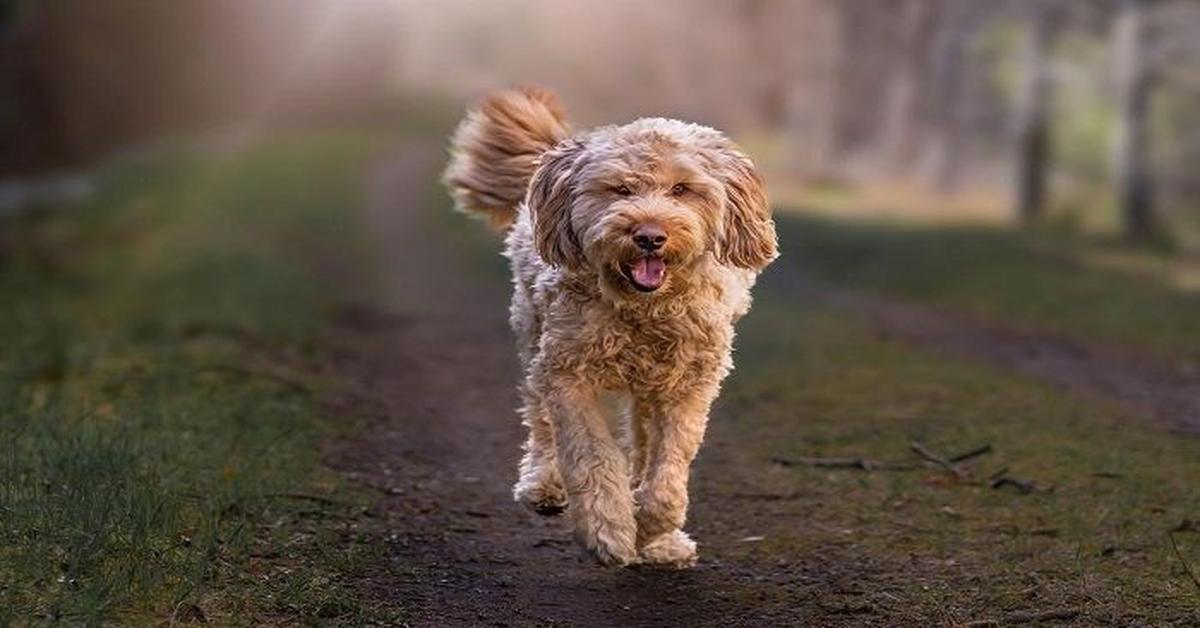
642,203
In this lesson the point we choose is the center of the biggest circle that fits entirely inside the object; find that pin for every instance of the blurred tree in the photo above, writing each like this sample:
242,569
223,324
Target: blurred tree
955,87
902,113
815,107
1133,82
79,79
1033,110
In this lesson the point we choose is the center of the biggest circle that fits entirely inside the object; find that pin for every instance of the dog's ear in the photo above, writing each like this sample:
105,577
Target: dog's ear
551,193
748,233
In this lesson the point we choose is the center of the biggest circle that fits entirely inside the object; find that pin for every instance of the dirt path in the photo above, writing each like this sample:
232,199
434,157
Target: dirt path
441,371
437,372
1150,387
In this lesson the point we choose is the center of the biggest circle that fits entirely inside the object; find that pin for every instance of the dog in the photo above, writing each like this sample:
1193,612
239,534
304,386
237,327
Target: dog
633,250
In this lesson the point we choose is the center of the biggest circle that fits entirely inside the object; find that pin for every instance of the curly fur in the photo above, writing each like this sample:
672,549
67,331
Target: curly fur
495,149
619,376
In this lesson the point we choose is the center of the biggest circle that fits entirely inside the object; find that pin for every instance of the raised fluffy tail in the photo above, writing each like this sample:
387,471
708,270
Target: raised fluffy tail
494,151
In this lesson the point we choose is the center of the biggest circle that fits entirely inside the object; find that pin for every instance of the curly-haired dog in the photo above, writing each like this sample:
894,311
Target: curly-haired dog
633,250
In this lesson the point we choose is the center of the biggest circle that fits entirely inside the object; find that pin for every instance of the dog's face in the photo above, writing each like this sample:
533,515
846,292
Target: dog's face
642,203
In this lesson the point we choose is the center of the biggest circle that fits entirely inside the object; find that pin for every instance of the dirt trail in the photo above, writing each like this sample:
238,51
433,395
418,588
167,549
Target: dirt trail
441,370
1150,387
438,371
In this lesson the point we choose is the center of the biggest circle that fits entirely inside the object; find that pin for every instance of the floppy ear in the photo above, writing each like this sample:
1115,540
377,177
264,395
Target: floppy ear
551,193
748,238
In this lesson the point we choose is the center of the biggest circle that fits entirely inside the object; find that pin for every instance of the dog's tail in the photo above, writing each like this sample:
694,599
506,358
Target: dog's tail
494,151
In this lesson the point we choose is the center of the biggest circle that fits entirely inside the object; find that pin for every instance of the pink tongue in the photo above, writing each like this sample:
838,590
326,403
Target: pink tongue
648,272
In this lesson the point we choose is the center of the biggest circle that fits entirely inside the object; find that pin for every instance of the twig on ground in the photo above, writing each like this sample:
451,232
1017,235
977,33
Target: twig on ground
844,463
867,464
1025,617
974,453
1186,567
1023,486
925,453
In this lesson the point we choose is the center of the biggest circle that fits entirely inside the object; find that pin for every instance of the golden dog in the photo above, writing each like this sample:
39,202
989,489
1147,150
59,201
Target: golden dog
633,251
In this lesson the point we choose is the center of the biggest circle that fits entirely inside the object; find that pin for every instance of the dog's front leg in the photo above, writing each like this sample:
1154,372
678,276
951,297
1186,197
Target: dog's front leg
594,469
662,499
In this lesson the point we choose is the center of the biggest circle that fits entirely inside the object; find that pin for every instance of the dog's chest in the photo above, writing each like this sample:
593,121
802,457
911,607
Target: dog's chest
656,352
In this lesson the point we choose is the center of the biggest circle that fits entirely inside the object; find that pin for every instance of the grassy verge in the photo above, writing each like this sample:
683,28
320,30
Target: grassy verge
1111,525
1095,535
158,428
1027,281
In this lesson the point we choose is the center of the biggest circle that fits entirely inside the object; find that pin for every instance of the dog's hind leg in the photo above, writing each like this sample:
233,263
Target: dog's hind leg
540,486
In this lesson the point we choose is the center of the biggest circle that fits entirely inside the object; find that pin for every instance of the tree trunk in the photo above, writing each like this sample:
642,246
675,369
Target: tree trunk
812,104
1134,187
901,125
946,130
1033,116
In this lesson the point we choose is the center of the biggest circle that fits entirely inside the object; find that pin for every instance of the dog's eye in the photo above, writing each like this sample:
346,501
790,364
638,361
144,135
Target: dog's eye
678,189
623,190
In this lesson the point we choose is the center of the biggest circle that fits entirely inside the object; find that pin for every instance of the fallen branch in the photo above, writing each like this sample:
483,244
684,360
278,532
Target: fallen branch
925,453
1186,566
865,464
974,453
1023,486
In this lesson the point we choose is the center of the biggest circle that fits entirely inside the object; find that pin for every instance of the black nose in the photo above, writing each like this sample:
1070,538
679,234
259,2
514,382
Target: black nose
649,237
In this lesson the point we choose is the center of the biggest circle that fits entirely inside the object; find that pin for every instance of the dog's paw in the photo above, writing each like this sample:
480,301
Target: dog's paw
673,549
612,542
614,555
546,497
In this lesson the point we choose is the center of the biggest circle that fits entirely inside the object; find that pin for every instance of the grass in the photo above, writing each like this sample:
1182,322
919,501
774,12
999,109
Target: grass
1097,537
1028,281
158,424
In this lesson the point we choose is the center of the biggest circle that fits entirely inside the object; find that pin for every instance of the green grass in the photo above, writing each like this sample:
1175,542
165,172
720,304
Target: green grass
1027,281
158,426
811,382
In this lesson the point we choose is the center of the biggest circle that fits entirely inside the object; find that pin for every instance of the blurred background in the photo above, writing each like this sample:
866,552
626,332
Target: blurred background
1077,115
238,318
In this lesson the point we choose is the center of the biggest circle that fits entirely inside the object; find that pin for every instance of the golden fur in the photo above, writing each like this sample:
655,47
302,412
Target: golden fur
590,332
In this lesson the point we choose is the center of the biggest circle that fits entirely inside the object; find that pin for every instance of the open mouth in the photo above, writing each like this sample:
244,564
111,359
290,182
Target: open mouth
646,273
